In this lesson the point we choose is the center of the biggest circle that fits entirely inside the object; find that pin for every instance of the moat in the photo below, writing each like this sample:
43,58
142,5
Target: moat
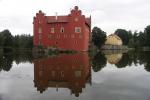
79,76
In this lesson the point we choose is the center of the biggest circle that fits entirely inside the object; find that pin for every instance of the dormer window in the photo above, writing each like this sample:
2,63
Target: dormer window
77,29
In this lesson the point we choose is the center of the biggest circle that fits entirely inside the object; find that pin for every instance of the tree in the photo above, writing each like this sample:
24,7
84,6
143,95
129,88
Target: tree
142,39
7,39
1,40
123,34
6,62
98,37
16,41
23,41
147,33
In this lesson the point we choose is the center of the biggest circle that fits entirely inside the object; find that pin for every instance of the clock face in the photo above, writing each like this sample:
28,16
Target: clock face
76,19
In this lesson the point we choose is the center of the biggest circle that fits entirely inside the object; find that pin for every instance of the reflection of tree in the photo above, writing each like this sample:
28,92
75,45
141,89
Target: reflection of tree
23,57
133,56
99,61
6,62
6,59
129,58
147,66
125,61
144,58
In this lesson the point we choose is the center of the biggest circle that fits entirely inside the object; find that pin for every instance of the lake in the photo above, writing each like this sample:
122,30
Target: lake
103,76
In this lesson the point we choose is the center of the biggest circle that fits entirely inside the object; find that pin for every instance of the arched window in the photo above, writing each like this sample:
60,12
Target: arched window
62,30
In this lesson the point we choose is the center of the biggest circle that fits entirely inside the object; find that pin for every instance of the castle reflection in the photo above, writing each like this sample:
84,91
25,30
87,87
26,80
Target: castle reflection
64,71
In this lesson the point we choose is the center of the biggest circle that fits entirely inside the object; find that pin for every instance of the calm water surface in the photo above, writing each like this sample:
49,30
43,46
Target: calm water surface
104,76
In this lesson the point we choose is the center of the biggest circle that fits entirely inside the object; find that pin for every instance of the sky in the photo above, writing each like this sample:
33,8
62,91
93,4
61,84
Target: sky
109,15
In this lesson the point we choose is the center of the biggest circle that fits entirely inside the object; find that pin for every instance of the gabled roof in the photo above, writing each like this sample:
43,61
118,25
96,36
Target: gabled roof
54,19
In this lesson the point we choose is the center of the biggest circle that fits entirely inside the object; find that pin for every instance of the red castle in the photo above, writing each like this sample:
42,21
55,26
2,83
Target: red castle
70,32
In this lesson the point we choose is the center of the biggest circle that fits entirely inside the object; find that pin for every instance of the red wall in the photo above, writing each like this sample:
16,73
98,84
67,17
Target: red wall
65,41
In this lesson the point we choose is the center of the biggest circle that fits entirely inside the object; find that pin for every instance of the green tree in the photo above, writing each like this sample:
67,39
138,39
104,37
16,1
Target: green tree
147,33
23,41
135,39
7,38
98,37
123,34
1,40
142,39
16,41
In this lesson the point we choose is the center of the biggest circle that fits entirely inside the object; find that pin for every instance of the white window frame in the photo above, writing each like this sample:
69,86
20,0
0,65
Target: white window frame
77,29
52,30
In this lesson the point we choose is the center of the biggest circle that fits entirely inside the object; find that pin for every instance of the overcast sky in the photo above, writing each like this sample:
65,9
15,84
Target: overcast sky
109,15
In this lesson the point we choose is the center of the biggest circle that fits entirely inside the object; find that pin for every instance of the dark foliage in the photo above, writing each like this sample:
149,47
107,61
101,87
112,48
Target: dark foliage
98,37
99,61
7,40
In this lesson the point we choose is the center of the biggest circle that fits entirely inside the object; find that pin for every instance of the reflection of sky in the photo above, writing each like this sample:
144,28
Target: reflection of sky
111,71
125,83
14,84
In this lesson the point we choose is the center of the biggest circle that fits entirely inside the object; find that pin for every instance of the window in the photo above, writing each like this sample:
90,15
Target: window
80,36
62,30
58,36
40,73
40,30
62,73
53,73
77,73
40,37
49,36
52,30
72,36
77,29
75,42
65,36
40,43
56,43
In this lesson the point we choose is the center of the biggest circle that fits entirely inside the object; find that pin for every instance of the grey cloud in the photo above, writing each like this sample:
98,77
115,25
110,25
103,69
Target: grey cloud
107,14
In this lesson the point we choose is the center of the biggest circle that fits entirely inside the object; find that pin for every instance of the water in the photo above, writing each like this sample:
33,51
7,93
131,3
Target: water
106,75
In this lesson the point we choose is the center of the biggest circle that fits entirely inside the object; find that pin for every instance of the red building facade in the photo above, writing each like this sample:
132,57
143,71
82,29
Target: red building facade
70,32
